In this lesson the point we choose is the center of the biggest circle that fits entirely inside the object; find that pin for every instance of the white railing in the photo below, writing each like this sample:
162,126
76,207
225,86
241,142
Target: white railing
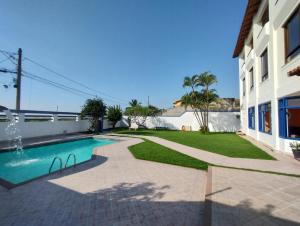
44,123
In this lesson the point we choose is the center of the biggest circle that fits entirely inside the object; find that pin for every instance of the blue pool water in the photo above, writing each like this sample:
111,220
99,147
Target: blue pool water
16,167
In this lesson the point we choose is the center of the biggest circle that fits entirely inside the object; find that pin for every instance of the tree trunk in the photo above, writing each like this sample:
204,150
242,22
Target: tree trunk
96,122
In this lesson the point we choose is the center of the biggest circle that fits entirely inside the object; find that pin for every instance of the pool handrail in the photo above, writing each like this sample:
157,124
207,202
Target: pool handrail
60,160
71,154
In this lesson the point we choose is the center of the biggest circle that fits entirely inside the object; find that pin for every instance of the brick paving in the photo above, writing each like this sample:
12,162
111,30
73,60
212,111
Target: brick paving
240,197
282,165
113,190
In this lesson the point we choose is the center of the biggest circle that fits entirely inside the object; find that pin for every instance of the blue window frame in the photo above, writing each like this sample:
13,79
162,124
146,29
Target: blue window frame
251,118
289,118
264,118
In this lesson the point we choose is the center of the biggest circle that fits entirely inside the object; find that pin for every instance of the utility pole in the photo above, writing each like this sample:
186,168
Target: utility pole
18,82
148,102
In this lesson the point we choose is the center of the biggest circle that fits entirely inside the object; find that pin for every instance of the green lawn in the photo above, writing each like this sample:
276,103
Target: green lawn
228,144
154,152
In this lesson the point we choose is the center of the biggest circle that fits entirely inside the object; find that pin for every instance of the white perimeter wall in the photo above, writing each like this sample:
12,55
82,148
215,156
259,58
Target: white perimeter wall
218,121
37,129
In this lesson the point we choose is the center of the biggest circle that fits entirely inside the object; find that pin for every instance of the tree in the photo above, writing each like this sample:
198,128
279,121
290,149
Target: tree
114,114
138,114
206,80
95,108
130,110
190,82
200,101
134,103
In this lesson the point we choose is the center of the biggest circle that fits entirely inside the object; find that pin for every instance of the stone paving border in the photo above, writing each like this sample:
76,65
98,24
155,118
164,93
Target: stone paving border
208,200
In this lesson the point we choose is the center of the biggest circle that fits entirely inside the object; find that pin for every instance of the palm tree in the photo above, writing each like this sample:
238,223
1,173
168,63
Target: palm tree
134,103
190,82
194,99
206,80
200,101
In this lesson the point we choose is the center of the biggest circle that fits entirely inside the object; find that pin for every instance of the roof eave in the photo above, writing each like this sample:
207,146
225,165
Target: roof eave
251,9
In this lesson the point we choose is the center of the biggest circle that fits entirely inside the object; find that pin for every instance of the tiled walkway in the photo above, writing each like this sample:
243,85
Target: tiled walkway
282,165
113,190
248,198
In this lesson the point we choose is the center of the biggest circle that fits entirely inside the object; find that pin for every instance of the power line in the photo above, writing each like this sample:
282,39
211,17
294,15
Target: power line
6,59
55,84
11,57
74,81
59,85
4,70
7,52
44,82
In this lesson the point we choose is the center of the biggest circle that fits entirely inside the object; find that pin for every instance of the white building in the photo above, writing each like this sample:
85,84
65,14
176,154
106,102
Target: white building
268,48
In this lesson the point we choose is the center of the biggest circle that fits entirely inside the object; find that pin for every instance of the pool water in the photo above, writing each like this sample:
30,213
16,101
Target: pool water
17,167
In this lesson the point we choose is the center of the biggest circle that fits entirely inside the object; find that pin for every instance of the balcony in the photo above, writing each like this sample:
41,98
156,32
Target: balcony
242,71
249,60
262,39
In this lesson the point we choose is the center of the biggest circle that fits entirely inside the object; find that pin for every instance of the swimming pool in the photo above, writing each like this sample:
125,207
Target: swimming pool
19,167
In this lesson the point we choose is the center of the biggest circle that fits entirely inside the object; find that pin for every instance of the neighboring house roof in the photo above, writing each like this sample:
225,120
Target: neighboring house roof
177,101
223,104
252,8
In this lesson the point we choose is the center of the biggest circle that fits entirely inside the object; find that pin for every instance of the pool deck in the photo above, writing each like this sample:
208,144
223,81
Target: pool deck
116,189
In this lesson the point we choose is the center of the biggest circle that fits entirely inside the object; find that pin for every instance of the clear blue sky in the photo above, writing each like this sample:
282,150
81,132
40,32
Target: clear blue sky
125,48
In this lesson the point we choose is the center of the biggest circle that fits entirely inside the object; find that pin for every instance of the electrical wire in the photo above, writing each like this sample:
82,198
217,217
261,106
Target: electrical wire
60,86
11,57
55,84
6,59
74,81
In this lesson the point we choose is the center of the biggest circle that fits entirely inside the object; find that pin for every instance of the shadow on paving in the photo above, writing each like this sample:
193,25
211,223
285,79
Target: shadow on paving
244,214
43,202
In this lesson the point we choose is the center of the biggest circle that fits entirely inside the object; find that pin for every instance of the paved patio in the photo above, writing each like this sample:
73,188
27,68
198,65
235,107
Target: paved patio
240,197
113,190
282,165
116,189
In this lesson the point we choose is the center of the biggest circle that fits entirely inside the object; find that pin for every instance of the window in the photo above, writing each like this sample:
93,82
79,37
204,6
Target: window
251,77
264,65
251,118
289,117
292,36
265,17
244,86
264,111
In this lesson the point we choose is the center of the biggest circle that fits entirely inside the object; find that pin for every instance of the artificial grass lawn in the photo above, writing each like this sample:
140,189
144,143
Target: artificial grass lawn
151,151
228,144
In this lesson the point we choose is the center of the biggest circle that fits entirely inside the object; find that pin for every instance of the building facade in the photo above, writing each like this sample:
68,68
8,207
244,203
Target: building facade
268,51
